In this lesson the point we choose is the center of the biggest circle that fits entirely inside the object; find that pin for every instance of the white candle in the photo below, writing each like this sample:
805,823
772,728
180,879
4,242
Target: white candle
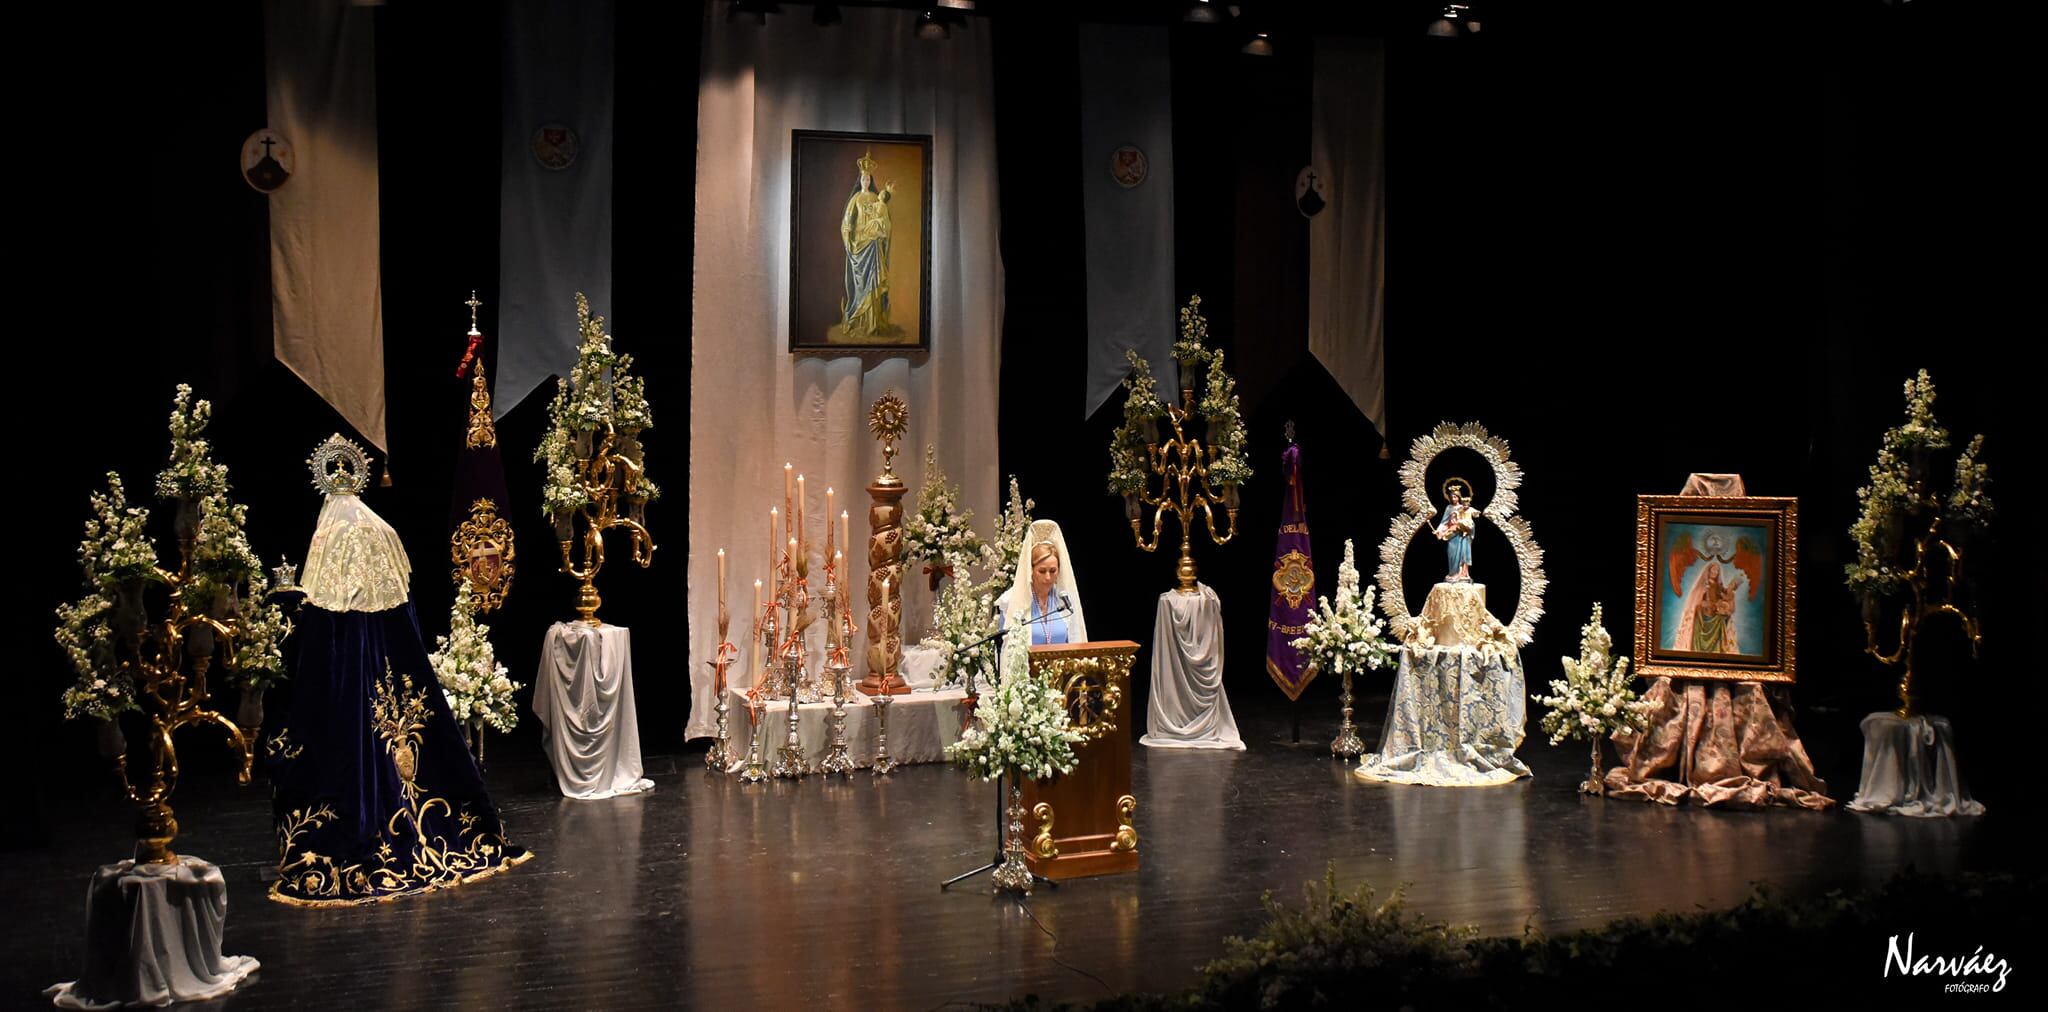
845,532
757,600
787,470
774,528
792,558
798,514
828,519
721,580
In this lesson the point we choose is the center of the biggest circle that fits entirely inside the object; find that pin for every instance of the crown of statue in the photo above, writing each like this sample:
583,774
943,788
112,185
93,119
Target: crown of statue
340,467
867,163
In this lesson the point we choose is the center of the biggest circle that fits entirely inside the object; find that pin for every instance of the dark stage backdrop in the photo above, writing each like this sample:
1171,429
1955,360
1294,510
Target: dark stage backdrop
1696,241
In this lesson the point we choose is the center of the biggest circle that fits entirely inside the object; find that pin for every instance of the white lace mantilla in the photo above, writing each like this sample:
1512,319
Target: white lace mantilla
355,562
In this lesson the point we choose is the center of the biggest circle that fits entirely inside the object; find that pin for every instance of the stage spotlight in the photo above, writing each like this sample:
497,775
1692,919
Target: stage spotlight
930,28
958,5
1260,45
825,15
1202,13
1446,27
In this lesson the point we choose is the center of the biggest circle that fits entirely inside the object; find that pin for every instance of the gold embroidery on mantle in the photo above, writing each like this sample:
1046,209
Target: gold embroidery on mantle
399,713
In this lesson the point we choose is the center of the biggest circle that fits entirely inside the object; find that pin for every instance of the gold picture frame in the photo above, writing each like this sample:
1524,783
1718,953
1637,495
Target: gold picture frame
1717,587
860,241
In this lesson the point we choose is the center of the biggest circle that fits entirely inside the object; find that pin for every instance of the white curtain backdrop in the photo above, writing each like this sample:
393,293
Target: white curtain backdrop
752,405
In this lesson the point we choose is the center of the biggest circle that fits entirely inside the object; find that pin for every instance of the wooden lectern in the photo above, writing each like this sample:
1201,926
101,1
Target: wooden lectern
1083,823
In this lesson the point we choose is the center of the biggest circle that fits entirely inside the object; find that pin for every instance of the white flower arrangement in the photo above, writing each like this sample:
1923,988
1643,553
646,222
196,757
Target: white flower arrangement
600,390
222,577
117,548
940,533
475,684
1128,456
1594,699
964,613
1898,490
1020,726
192,473
1346,637
103,688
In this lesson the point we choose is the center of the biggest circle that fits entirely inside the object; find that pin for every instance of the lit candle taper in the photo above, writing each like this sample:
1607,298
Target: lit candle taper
828,528
845,531
757,600
798,516
721,581
774,532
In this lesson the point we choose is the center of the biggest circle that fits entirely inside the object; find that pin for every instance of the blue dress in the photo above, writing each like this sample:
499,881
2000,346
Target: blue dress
1458,546
1046,630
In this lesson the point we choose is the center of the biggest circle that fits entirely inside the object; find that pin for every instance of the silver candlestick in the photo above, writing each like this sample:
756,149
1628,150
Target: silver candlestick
1347,746
883,765
719,758
755,770
789,759
1013,875
838,760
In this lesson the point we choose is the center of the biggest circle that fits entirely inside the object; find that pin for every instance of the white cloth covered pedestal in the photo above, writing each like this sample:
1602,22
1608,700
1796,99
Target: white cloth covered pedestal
152,937
1909,768
1188,708
584,699
1455,720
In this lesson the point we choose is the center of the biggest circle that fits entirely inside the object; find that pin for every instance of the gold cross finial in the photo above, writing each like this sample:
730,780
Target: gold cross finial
472,304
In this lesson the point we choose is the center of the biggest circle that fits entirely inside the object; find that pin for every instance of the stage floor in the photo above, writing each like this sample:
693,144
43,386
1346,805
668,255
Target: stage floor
708,894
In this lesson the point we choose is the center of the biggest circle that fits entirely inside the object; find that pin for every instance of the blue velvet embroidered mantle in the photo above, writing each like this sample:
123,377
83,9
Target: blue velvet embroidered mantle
375,794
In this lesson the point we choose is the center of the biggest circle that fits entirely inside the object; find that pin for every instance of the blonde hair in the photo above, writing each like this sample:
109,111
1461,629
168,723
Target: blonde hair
1041,550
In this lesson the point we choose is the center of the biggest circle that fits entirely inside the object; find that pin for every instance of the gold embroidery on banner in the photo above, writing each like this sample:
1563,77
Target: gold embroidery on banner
399,714
280,748
1293,578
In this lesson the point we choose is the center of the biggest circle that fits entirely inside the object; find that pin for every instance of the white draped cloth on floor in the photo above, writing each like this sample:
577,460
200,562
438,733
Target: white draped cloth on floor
1188,707
152,937
1909,768
1455,720
584,699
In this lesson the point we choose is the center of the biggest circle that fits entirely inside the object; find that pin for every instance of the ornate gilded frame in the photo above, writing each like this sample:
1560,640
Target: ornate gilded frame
815,144
1780,515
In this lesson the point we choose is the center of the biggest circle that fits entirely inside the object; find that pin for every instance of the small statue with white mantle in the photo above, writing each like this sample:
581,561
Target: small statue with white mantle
1459,703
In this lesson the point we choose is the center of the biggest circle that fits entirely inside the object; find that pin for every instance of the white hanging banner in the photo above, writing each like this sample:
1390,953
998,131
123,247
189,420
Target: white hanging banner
1347,233
1127,204
554,188
326,284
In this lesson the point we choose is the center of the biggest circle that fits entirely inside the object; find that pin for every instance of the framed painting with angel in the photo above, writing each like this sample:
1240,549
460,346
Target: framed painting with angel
1715,587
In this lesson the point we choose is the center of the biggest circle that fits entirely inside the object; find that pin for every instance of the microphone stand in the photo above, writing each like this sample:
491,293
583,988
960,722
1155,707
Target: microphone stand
997,861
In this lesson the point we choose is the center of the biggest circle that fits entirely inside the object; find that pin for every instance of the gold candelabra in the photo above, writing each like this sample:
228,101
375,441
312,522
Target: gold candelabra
1933,594
1182,466
610,477
169,660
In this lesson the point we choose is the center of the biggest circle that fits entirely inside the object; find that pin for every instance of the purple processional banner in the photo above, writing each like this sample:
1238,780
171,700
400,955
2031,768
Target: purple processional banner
1294,585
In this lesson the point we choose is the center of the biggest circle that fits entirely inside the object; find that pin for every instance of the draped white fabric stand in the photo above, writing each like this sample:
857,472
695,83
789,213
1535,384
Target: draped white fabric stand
921,725
1909,768
752,404
152,937
584,699
1189,708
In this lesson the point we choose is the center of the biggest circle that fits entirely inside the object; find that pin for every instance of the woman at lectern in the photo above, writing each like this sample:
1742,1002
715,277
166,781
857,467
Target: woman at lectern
1043,594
